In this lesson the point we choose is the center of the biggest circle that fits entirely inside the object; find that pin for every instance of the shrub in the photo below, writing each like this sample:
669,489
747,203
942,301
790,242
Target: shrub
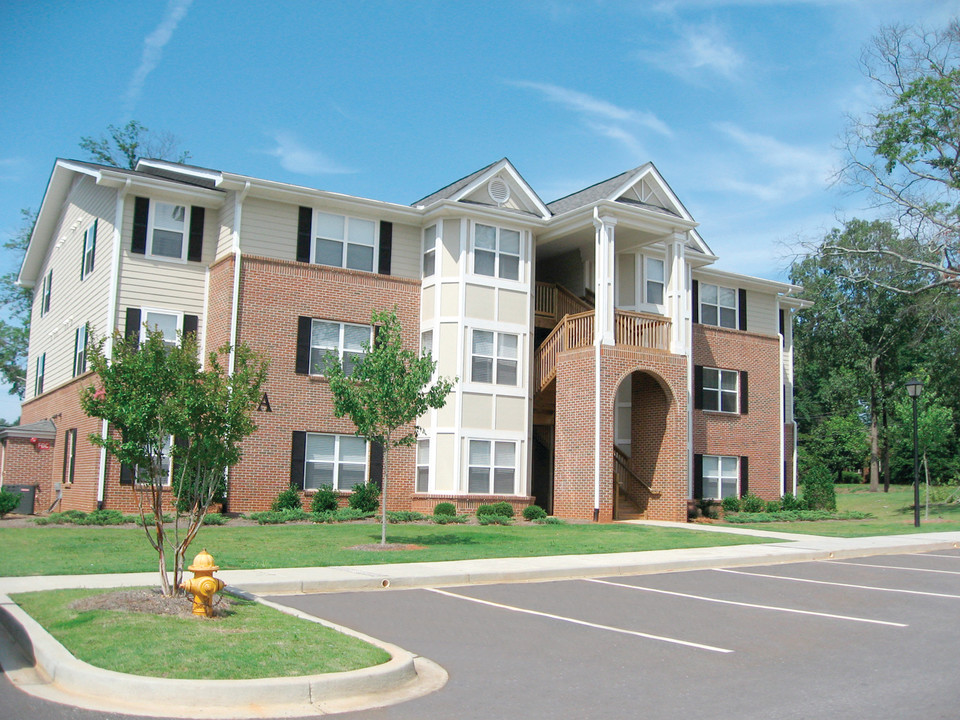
404,516
534,512
494,519
278,517
8,502
447,519
790,502
550,520
751,503
444,508
346,514
772,506
324,499
852,477
485,510
731,505
708,508
365,497
818,490
104,517
503,508
214,519
288,499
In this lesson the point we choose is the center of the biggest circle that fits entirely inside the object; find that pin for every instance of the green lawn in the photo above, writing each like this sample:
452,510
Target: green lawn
892,511
252,641
59,550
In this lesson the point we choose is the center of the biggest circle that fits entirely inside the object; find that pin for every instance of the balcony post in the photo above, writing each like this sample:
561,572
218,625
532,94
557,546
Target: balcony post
603,281
678,305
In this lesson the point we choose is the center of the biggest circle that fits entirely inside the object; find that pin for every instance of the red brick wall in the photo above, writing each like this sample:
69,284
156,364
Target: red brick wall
756,434
25,464
219,304
273,294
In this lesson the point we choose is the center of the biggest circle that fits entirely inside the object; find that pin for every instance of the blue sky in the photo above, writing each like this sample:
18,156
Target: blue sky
740,104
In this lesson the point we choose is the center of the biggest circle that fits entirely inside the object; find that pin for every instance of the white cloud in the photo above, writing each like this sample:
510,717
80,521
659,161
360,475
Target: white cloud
153,46
8,168
699,50
297,158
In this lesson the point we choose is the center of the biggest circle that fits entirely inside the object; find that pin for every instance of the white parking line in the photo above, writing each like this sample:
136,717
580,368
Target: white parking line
747,605
952,557
838,584
890,567
623,631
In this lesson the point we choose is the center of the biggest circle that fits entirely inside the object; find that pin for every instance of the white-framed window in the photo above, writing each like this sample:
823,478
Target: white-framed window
430,251
718,306
167,232
423,465
639,280
339,461
45,293
142,475
166,321
89,251
721,476
342,241
492,467
496,252
494,357
69,455
426,342
80,340
41,368
345,339
721,390
654,275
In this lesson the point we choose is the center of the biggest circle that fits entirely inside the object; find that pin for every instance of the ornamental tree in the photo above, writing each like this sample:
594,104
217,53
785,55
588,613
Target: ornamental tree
389,388
173,424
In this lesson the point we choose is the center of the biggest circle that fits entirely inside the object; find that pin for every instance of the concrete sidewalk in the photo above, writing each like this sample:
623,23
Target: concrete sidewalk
44,668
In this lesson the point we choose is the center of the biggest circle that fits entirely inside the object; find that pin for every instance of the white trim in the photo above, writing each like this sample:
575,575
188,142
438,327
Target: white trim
238,199
522,282
346,242
159,311
464,227
151,228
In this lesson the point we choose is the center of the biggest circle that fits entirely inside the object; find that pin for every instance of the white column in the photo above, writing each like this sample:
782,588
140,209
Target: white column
678,301
603,279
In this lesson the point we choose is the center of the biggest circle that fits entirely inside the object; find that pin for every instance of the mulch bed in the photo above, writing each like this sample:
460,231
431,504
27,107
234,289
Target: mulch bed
146,600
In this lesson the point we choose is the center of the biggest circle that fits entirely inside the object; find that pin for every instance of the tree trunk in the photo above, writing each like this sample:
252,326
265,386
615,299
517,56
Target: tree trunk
383,492
886,452
874,440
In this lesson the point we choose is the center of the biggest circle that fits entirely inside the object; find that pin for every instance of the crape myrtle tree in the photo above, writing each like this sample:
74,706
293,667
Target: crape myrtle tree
173,423
388,389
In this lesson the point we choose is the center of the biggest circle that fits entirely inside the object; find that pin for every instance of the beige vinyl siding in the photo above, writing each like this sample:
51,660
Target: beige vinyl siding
445,350
72,302
445,478
405,260
449,300
269,228
511,413
427,300
449,258
762,313
512,307
477,411
480,302
227,219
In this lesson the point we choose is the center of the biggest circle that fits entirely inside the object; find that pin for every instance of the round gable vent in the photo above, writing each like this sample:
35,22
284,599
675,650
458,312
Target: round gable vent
498,190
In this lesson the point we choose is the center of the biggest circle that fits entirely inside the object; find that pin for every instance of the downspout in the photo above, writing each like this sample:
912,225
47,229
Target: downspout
600,303
237,258
783,414
112,322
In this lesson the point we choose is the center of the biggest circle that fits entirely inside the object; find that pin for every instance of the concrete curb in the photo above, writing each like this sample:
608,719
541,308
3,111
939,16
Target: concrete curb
87,686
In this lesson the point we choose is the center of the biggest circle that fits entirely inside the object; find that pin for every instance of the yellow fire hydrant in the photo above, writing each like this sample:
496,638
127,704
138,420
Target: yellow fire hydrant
203,586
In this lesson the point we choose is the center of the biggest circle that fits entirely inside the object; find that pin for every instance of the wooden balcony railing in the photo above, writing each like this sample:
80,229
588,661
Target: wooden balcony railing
552,302
641,330
573,331
626,481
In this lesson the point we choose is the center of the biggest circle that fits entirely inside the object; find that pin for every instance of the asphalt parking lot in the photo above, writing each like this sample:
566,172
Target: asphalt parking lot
867,638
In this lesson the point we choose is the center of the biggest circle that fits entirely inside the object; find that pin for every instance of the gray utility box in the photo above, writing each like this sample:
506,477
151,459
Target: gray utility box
28,496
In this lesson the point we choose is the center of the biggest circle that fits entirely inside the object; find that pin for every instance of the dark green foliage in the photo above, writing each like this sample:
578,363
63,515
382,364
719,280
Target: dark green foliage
105,517
484,510
324,499
751,503
503,508
494,519
790,502
365,497
129,143
8,502
796,516
346,514
818,492
448,519
731,505
551,520
708,508
534,512
772,506
288,499
404,516
278,517
214,519
444,508
15,305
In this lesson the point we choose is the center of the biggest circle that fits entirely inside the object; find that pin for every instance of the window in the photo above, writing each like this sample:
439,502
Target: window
167,323
423,465
344,241
720,390
45,293
89,250
38,378
718,306
426,342
165,473
496,252
69,454
80,340
494,358
654,275
346,340
168,235
492,467
640,279
720,474
430,251
339,461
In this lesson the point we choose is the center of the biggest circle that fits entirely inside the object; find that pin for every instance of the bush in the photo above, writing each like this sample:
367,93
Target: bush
731,505
404,516
751,503
8,502
494,519
346,514
790,502
365,497
503,509
447,519
324,499
550,520
534,512
484,510
104,517
850,477
278,517
288,499
444,508
772,506
214,519
818,490
798,515
708,508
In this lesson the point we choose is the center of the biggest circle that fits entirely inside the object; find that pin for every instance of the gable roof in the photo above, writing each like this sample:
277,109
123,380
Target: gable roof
44,429
449,191
589,195
468,190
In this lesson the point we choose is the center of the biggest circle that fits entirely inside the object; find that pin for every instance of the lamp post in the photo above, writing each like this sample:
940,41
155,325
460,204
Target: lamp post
914,388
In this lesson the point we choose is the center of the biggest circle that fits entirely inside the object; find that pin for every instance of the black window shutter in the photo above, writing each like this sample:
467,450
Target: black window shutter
49,292
743,309
695,294
73,452
698,387
376,464
93,246
126,474
783,324
76,347
131,330
195,248
190,324
297,457
304,230
83,255
141,211
66,455
697,477
386,247
744,475
304,329
744,393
